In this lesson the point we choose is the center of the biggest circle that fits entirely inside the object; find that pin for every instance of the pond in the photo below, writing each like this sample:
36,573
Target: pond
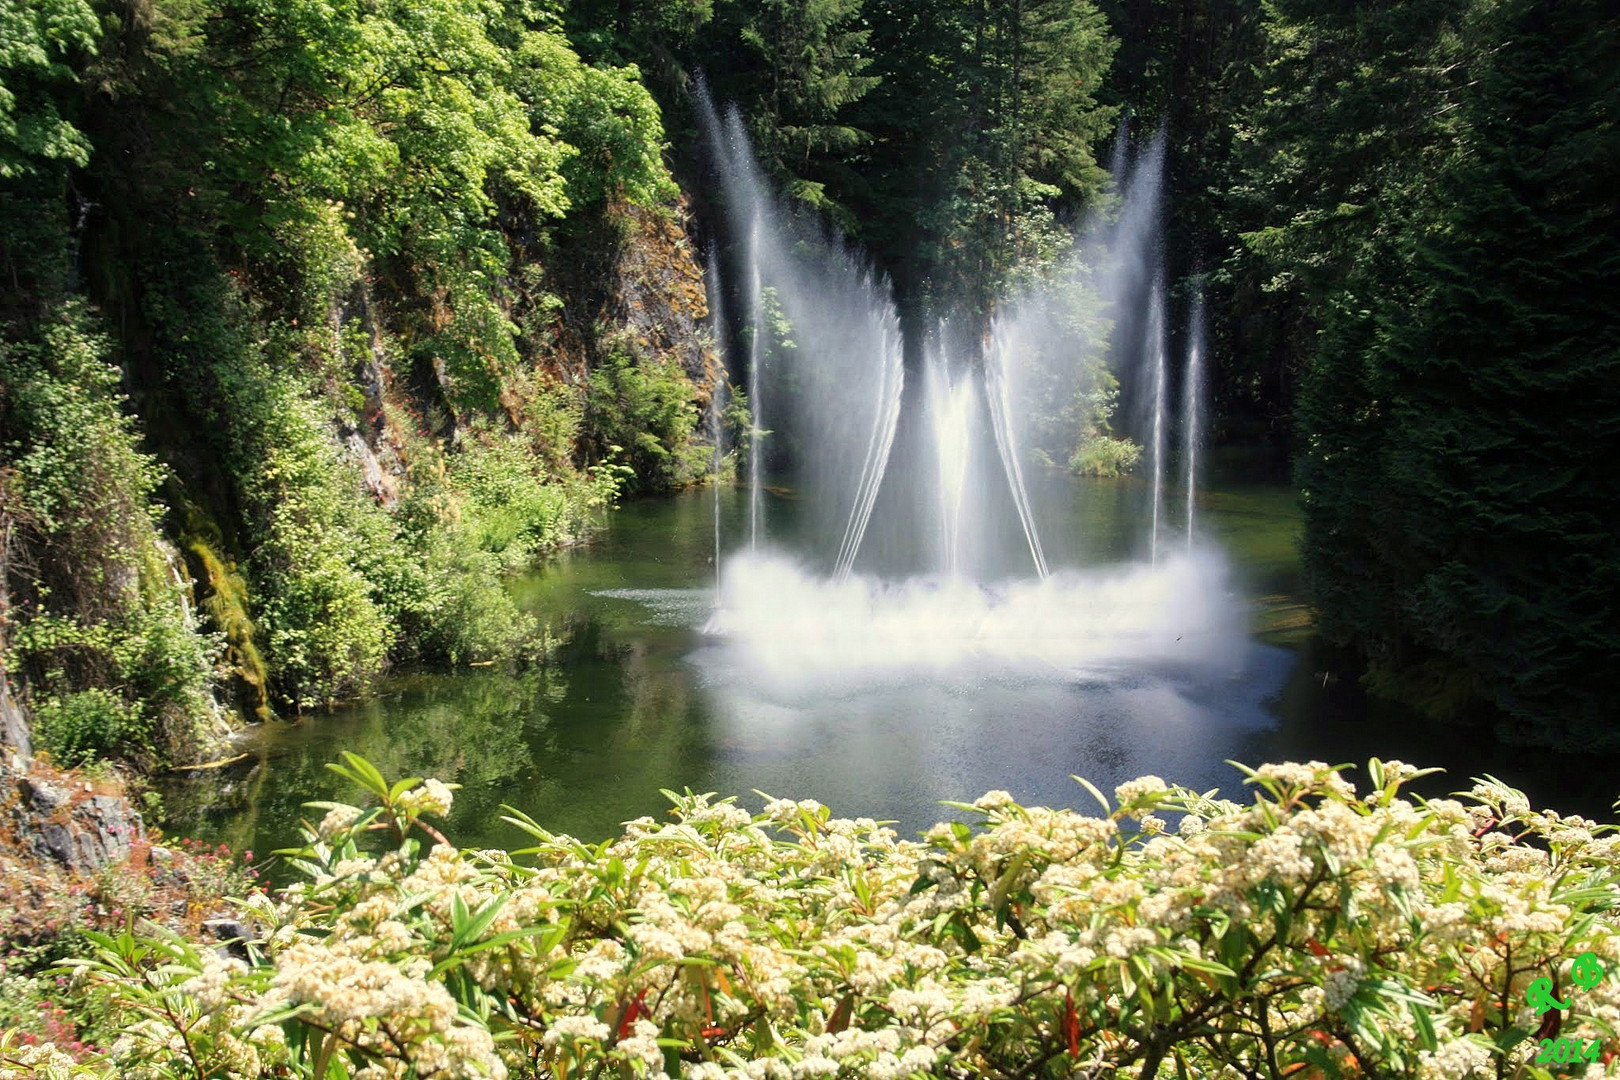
635,696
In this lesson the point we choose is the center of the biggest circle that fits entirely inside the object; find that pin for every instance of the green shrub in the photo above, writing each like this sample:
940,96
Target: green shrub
1104,455
1314,929
102,637
325,623
78,726
647,407
512,511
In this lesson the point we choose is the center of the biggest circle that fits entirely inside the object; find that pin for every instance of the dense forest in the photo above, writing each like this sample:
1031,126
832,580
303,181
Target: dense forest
319,317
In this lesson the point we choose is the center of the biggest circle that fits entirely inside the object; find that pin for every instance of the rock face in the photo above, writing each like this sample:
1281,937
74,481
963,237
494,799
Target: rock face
52,816
659,297
13,724
636,276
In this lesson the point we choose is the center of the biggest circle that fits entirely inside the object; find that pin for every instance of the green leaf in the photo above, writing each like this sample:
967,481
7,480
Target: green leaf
479,922
1198,963
998,893
363,773
550,936
1425,1025
1107,808
402,786
281,1014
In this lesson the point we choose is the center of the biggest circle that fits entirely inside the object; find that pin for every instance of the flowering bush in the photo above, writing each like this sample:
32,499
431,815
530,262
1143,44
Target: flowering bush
1314,932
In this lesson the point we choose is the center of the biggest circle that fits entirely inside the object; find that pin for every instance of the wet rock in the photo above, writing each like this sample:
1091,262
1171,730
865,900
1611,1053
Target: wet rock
234,935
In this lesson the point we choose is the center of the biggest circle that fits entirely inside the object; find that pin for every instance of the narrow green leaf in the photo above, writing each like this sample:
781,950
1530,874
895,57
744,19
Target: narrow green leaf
1102,801
402,786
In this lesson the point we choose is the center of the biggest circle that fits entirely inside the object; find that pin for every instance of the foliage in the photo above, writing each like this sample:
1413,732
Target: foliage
324,621
1313,928
1457,420
1104,455
80,725
508,512
515,511
39,40
793,70
605,114
644,406
109,660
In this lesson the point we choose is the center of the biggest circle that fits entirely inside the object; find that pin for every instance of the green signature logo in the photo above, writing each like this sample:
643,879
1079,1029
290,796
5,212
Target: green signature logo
1587,972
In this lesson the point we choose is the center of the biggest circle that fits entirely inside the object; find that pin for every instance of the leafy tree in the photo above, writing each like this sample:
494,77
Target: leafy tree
983,126
40,40
605,114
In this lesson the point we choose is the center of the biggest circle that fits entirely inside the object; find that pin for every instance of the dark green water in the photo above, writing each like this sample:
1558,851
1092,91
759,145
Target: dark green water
635,698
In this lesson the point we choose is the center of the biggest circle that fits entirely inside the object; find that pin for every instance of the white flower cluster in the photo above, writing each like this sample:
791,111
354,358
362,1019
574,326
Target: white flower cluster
792,944
336,820
39,1062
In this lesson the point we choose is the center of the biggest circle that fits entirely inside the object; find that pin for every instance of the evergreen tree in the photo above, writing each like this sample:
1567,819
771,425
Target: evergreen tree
984,124
793,67
1461,418
1505,373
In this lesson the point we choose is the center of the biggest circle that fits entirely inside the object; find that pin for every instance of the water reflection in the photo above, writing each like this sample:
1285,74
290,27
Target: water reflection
897,752
634,698
582,743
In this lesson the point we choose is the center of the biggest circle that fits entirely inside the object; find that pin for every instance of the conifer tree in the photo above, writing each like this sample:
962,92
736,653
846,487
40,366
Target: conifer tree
1504,372
1460,418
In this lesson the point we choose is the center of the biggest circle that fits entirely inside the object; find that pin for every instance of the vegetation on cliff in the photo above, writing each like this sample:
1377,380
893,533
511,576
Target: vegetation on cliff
319,318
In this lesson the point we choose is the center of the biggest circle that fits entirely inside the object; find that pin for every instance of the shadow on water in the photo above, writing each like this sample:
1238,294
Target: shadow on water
1323,719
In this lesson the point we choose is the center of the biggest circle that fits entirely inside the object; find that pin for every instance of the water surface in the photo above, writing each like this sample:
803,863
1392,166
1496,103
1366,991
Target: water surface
635,697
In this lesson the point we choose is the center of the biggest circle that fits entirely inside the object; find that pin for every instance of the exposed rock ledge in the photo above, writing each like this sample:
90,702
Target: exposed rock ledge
76,824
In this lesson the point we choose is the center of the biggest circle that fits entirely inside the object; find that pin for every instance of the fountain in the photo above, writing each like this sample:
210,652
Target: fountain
915,550
1156,349
716,411
1192,396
